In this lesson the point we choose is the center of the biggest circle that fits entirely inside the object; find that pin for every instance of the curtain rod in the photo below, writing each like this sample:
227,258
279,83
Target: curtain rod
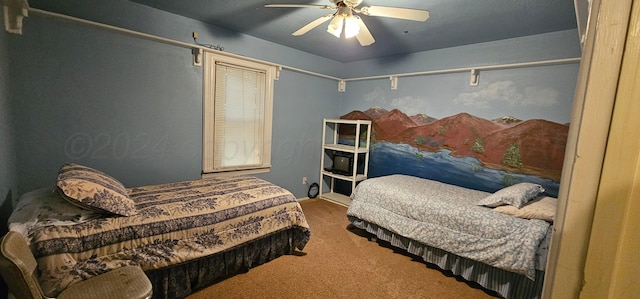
171,41
340,80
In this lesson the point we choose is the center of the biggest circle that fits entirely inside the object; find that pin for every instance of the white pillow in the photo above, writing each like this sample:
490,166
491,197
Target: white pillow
543,208
43,207
516,195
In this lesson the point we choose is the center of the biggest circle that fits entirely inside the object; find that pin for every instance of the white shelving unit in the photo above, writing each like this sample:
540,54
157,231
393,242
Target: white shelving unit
359,150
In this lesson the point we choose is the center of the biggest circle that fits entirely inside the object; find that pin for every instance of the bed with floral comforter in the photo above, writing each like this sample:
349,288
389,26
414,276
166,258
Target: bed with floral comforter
457,229
184,235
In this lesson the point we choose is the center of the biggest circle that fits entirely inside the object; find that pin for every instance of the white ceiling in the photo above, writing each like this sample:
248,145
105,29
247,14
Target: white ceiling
452,23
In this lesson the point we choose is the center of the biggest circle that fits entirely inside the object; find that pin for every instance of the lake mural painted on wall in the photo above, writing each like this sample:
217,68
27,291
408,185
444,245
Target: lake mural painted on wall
466,150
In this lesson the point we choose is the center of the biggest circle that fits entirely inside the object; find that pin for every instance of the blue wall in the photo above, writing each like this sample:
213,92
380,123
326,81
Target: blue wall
8,176
301,102
141,18
133,107
121,104
555,45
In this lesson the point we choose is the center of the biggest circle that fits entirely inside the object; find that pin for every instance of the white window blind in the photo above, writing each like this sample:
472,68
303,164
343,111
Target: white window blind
237,115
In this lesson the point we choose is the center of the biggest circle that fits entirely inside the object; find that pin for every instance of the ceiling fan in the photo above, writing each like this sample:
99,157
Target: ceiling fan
345,17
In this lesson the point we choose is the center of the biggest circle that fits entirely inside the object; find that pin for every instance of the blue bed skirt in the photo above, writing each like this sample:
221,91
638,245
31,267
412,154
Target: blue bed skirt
182,280
506,284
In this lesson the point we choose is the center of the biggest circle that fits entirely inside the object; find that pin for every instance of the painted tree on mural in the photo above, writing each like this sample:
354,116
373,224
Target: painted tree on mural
477,146
512,156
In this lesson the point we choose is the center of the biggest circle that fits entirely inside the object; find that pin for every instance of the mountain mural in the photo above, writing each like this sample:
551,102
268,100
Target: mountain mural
533,147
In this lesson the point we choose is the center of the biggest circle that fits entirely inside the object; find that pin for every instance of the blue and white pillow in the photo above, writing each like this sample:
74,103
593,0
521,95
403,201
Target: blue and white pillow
515,195
94,190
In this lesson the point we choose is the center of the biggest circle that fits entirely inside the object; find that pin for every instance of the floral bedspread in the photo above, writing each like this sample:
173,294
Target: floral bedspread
447,217
176,223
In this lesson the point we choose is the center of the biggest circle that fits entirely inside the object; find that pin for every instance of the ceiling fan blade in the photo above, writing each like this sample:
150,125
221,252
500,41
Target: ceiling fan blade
364,37
312,25
300,5
396,12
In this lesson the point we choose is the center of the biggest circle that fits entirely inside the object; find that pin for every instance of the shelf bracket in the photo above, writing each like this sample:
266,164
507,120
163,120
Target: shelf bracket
14,12
278,71
475,74
197,56
394,82
342,86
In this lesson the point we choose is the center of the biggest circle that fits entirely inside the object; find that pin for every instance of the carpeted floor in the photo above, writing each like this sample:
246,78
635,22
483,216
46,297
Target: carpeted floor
340,262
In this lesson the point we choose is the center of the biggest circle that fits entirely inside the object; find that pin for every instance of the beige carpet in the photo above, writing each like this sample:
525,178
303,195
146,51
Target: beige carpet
341,263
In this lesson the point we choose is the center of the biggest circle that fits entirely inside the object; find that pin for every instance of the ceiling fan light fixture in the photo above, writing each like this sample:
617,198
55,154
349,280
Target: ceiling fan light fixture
335,27
351,26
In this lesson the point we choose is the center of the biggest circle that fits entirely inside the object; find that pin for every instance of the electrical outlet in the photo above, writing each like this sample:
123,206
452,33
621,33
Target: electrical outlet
304,180
195,35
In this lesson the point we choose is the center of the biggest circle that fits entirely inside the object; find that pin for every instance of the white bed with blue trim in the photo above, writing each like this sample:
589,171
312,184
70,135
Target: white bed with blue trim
483,237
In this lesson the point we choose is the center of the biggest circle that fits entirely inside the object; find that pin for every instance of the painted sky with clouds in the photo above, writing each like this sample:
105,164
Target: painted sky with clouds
533,93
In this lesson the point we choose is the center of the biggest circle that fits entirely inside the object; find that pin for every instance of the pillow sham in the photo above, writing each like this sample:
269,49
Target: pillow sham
92,189
543,208
516,195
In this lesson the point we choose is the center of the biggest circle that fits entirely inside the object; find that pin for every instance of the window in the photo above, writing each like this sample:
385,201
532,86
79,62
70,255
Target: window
238,97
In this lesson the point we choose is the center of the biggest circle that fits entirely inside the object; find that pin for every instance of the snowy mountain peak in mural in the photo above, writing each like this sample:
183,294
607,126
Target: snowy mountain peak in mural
422,119
374,112
507,120
531,147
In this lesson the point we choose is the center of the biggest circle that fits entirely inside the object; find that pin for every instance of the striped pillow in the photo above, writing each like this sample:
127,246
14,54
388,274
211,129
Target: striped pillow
94,190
